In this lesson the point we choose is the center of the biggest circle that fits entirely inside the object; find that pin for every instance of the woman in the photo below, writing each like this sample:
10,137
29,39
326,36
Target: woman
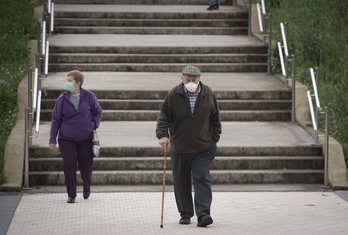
75,115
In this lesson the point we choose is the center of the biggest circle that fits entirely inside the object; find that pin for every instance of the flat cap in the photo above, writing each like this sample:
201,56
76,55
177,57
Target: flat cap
191,70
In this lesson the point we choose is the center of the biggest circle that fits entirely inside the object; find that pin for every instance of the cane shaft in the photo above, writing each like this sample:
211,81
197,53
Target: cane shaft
163,184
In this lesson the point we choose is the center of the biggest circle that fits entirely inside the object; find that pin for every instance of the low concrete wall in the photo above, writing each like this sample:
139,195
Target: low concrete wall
15,146
337,169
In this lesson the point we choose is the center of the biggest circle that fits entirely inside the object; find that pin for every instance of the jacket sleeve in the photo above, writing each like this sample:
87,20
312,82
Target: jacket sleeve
215,120
164,119
56,120
97,113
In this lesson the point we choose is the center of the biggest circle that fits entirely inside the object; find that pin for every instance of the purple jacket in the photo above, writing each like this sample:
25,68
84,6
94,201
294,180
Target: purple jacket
72,124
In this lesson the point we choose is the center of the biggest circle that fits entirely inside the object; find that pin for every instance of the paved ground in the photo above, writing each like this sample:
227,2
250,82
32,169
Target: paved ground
246,210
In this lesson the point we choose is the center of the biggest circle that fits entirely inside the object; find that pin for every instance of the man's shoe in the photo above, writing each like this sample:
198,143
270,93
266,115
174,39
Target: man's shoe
204,221
185,221
213,7
86,194
71,200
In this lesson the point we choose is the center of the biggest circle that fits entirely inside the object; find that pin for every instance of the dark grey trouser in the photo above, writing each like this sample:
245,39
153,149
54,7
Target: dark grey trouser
193,168
76,154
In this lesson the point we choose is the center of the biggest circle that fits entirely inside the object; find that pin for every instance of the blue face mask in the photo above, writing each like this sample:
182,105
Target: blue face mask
70,86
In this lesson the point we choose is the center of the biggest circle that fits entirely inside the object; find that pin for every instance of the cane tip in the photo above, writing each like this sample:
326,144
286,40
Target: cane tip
161,225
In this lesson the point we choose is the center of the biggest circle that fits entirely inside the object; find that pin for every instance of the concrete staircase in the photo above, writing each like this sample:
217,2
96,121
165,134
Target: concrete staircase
142,21
133,51
145,105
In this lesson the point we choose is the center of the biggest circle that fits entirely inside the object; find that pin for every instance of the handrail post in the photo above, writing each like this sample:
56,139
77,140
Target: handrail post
317,109
52,17
26,150
247,5
38,37
326,148
269,68
293,91
30,101
249,18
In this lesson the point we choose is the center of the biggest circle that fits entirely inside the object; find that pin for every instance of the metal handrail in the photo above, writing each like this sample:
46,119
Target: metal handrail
285,72
285,60
46,58
34,90
266,34
315,116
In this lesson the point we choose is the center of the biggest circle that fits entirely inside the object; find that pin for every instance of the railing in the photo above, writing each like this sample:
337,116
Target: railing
247,4
315,111
288,72
265,27
34,83
287,62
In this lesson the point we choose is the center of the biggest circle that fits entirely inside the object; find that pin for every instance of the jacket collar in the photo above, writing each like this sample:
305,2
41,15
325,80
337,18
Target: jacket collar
82,93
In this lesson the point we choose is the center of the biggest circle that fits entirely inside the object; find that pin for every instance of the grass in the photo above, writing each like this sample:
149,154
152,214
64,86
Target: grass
318,37
17,27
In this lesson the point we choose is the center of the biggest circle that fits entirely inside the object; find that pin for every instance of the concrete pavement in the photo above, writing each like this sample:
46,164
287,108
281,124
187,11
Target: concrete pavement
236,209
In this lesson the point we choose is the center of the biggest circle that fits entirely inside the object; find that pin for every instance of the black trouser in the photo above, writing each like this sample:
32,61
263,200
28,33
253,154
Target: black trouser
76,154
193,168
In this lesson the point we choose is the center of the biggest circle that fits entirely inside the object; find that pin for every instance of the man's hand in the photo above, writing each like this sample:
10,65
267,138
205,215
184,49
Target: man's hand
164,142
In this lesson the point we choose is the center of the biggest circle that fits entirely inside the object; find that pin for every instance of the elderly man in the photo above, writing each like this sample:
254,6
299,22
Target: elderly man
190,118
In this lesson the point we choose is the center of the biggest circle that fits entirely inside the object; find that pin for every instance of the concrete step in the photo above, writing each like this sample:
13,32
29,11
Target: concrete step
139,177
42,152
157,58
151,15
275,152
117,67
151,115
152,30
241,98
157,49
130,20
156,163
147,12
150,2
138,104
111,22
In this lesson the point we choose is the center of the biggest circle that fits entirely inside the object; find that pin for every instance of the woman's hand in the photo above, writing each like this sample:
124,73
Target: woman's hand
52,146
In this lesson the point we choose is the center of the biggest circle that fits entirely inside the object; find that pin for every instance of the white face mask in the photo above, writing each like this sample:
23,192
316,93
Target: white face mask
191,86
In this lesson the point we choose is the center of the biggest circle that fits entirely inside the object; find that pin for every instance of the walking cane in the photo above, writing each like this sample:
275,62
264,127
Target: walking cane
163,184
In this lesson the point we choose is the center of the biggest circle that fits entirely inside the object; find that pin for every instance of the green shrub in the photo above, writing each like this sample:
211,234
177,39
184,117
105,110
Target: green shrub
318,36
17,26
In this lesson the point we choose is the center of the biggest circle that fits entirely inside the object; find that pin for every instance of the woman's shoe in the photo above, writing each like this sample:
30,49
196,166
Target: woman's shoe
86,194
71,200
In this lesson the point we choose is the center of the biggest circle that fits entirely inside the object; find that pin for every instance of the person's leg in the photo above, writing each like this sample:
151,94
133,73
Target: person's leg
85,163
212,2
201,163
181,168
68,152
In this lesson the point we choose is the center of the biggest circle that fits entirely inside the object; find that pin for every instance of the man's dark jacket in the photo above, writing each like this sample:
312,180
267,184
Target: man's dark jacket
189,132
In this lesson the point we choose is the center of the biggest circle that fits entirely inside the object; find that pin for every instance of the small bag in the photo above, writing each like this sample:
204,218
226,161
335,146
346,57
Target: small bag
96,144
